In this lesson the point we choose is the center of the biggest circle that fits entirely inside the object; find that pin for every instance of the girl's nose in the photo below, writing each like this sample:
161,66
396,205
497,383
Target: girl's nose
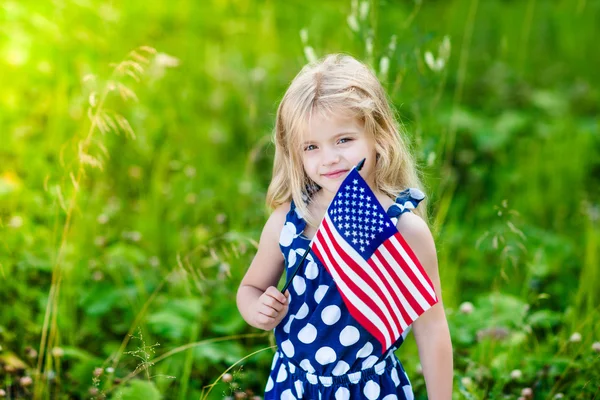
331,158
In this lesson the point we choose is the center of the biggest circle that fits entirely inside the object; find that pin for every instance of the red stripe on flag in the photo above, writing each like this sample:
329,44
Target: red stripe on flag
355,312
411,275
405,291
368,280
415,260
405,317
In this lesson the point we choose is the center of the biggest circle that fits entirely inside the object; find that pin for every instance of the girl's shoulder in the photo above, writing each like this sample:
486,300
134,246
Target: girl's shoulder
276,221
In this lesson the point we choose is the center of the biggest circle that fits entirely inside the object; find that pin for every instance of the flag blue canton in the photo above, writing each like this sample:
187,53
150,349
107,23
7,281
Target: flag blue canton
359,217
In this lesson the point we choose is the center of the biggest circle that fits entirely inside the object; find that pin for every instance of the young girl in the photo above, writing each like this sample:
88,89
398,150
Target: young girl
334,114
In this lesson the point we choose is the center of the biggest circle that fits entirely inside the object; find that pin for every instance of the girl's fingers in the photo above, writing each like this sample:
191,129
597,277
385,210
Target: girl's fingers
268,311
273,292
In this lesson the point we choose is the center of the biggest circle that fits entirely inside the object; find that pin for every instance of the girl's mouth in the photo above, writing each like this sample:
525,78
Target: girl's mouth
336,174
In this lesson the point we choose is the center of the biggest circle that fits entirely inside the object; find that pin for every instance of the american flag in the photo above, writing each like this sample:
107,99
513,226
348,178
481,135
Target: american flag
379,277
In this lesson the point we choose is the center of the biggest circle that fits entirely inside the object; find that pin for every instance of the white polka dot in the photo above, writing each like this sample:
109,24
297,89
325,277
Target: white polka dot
311,271
325,355
371,390
326,380
312,379
366,350
270,384
275,358
342,394
299,389
355,377
390,397
369,362
307,366
308,334
408,392
287,234
416,194
299,284
320,292
395,377
349,335
292,257
288,395
302,312
380,367
288,348
292,368
331,314
340,368
282,374
286,327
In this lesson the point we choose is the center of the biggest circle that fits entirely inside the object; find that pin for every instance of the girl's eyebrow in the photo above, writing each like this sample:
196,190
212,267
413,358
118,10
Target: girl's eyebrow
344,133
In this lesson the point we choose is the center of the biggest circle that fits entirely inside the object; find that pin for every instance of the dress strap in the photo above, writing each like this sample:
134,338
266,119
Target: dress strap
295,217
407,200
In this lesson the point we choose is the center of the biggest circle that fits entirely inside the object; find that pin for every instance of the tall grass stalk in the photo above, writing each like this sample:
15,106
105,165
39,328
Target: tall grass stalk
100,122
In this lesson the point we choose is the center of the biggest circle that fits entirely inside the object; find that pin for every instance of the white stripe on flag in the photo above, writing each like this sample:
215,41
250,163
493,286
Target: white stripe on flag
409,310
363,285
413,267
355,300
405,280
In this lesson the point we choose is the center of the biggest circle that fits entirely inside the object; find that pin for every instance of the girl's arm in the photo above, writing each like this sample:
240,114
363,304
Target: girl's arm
259,301
431,328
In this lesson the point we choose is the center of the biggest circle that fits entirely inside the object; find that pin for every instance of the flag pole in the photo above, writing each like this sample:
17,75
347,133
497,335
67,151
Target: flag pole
289,281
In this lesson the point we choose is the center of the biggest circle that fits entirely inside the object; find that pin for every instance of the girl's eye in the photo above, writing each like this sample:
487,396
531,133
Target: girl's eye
309,147
344,140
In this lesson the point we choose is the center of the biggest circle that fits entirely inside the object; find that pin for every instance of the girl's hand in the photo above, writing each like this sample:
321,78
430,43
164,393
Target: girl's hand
272,306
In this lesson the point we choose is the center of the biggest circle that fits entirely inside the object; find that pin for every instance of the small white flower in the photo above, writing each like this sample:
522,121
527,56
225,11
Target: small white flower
110,370
596,347
369,45
466,308
526,392
310,54
102,219
135,236
392,45
516,374
353,23
165,60
559,396
384,66
575,337
58,352
466,381
15,222
364,10
444,49
304,36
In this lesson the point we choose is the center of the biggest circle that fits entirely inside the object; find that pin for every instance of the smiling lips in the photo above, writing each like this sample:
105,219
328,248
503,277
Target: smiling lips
336,174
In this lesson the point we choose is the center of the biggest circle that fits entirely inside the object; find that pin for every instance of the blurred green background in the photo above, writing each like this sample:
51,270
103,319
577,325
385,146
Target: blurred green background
126,226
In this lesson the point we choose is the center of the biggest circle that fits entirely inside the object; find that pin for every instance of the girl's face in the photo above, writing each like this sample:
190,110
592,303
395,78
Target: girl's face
332,146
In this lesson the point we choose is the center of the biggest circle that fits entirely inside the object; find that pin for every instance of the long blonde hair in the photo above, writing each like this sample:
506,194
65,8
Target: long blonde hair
338,83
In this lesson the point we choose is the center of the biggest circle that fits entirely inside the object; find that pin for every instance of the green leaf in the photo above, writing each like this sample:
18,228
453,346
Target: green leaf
544,319
139,390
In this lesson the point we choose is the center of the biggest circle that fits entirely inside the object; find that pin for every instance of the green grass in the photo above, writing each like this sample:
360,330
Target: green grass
155,242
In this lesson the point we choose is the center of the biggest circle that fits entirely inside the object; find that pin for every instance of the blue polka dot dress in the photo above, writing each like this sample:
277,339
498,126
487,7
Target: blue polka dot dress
323,353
